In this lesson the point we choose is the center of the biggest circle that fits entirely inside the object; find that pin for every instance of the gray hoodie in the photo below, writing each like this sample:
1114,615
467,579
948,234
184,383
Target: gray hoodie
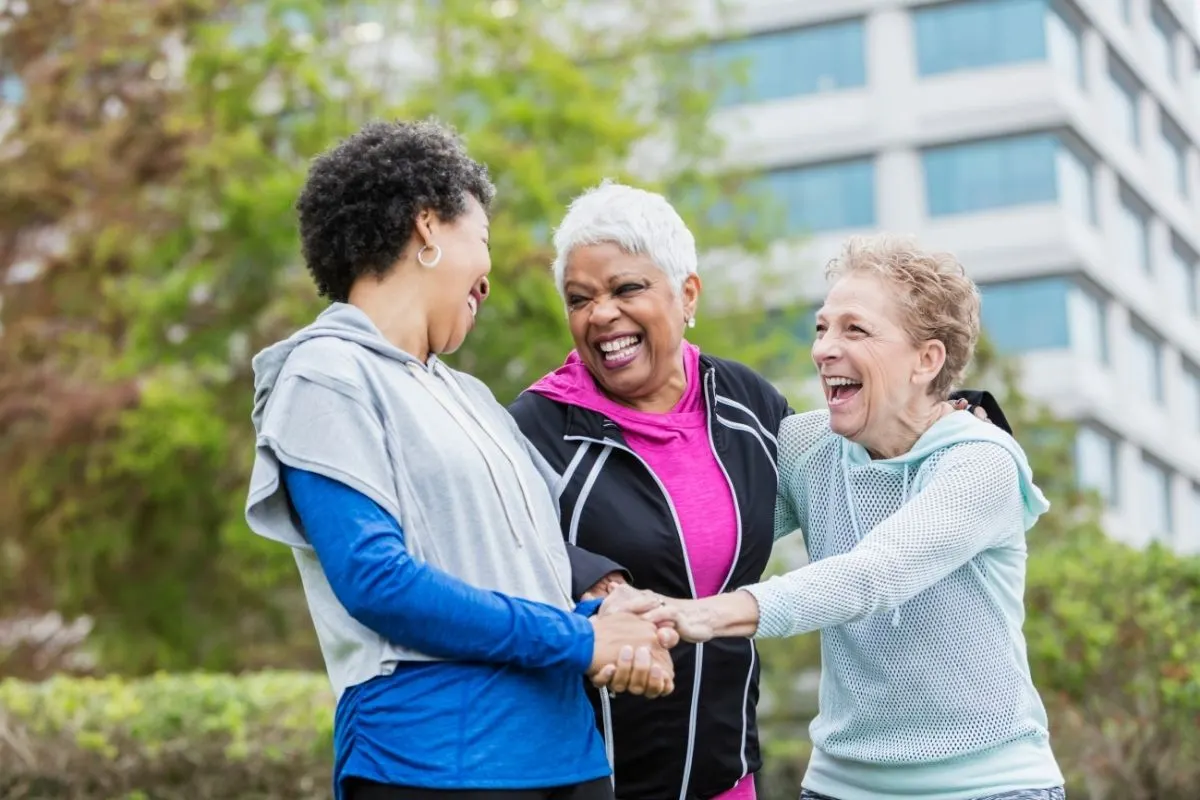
428,444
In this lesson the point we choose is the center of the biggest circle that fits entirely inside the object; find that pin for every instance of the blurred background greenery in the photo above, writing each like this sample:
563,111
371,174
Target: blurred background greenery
147,177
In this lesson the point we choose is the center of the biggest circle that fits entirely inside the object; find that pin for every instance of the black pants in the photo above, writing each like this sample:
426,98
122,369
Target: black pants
600,789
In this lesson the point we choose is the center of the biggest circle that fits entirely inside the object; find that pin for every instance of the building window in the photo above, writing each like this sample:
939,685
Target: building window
1189,390
1076,180
1174,149
1180,277
1163,28
1189,542
997,173
1147,366
1020,316
1156,498
979,33
1123,93
788,63
1133,233
1087,312
1046,314
1096,463
824,197
1064,37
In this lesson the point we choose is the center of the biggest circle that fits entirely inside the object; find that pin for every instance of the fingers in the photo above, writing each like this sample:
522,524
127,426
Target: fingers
624,598
668,637
621,676
640,677
979,412
604,677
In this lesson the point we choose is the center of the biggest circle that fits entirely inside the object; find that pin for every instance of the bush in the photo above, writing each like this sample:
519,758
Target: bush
263,736
1115,649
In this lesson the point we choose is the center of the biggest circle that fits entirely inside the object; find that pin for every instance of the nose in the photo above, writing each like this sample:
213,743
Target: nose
484,287
825,349
604,312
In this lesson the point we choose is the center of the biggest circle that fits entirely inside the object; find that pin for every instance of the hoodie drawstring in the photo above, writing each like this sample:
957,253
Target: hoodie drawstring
472,424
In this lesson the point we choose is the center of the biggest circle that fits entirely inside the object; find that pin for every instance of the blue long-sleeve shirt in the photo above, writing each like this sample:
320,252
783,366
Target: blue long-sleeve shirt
506,712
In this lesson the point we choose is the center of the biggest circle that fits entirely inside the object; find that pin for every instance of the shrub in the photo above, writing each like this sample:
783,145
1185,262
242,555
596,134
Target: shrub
1115,649
263,736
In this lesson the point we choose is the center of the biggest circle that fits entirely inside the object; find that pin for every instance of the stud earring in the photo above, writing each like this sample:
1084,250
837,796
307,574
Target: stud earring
691,323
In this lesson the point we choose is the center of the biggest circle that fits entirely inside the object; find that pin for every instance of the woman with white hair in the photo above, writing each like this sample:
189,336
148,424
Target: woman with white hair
667,458
915,517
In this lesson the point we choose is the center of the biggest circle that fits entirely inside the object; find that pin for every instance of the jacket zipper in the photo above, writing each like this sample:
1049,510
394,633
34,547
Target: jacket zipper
687,564
710,391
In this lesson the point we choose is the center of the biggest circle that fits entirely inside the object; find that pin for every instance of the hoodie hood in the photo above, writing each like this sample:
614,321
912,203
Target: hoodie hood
340,321
958,428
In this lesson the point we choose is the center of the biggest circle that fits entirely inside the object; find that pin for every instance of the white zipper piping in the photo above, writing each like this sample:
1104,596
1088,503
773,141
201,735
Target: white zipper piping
687,564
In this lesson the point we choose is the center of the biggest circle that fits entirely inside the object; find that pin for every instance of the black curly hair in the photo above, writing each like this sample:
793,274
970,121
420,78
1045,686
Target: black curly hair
359,206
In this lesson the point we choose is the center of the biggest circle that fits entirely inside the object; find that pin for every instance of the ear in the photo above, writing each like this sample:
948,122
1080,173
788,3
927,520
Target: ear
690,293
931,357
423,227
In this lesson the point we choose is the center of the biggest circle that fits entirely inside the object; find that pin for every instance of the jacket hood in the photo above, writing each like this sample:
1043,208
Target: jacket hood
340,321
958,428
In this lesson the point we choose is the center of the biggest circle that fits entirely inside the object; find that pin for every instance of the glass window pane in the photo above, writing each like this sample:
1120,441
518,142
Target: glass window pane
1020,316
1089,324
788,63
1174,148
1064,36
1156,498
970,35
824,197
992,173
1123,93
1147,366
1189,391
1076,185
1096,463
1179,276
1133,235
1162,39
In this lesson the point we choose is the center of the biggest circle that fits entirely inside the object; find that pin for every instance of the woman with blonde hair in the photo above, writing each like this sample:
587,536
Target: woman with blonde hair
915,516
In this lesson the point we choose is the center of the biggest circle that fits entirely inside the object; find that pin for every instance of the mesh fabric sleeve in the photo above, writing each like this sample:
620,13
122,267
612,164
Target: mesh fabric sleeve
969,504
797,434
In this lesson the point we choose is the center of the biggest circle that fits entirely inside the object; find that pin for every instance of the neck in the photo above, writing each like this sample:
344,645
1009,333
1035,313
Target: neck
398,314
665,397
908,429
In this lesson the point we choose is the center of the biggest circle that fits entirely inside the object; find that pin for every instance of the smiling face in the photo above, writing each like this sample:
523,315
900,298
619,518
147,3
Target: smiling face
876,379
458,284
627,322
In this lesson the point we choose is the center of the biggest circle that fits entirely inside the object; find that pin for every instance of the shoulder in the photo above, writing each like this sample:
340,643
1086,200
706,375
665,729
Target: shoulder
475,389
330,362
988,463
739,385
800,433
538,417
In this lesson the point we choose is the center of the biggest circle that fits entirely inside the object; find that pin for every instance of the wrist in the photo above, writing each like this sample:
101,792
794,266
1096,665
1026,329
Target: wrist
582,644
734,614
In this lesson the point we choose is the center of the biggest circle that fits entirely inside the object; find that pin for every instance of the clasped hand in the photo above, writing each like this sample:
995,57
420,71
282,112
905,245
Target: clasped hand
635,630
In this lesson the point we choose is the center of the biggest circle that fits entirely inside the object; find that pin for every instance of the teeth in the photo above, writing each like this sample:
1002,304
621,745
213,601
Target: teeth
616,345
841,382
473,304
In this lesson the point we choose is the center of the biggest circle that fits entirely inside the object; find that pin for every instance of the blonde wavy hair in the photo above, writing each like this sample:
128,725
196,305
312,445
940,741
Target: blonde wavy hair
936,298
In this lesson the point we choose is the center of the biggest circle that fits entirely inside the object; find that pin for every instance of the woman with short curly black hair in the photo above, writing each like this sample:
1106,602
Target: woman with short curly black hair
426,538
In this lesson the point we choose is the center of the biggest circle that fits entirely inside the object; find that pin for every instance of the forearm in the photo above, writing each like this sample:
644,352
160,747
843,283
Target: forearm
361,549
732,614
830,592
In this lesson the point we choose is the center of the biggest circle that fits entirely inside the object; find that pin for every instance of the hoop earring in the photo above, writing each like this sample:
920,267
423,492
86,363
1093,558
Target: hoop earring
691,323
429,264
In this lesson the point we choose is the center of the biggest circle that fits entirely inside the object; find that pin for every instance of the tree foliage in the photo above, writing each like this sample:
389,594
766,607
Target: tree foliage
147,180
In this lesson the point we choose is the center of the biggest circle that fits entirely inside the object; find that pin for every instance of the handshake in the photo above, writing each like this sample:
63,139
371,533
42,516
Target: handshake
635,630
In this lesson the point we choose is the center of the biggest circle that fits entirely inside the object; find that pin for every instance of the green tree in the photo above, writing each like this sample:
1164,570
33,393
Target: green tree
147,181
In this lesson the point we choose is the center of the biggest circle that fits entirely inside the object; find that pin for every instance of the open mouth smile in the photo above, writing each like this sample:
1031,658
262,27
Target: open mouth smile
619,351
840,391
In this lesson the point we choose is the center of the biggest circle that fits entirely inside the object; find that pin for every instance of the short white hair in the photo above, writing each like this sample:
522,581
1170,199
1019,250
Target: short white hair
635,220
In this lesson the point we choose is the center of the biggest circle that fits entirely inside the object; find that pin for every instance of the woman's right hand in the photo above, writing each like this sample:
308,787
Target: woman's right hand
629,655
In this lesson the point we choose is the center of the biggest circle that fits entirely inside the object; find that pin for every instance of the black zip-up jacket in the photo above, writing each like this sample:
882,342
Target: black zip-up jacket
699,741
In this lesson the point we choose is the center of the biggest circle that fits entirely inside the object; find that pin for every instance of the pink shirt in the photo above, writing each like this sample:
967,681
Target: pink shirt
676,447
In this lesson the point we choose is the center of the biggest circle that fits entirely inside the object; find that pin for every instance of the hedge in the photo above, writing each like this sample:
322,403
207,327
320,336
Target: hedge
263,736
